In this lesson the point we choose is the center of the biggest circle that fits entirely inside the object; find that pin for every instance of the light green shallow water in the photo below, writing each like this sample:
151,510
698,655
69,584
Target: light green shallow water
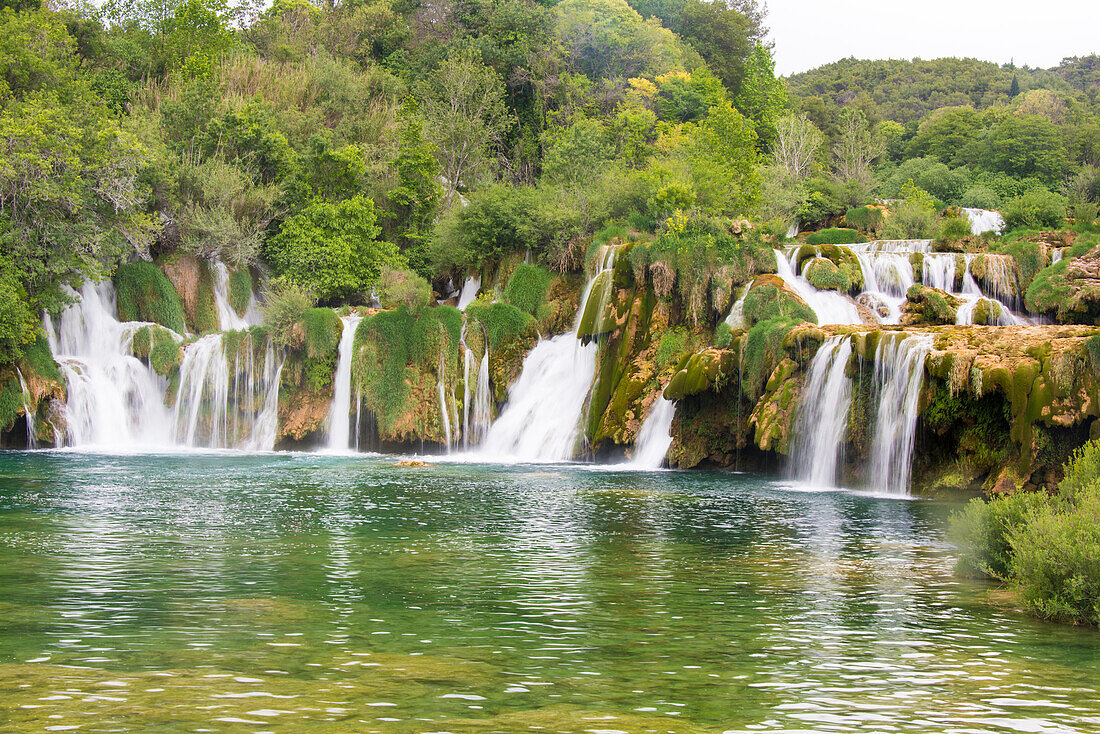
291,593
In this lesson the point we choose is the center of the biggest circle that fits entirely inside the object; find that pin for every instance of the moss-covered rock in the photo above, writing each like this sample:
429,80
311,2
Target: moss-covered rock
144,293
925,305
194,282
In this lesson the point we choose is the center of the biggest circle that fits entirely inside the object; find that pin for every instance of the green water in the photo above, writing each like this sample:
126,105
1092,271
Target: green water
291,593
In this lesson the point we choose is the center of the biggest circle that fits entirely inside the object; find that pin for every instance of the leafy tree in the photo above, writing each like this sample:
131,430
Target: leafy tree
723,33
466,116
949,134
1025,145
607,39
498,219
762,97
18,325
723,158
416,198
332,249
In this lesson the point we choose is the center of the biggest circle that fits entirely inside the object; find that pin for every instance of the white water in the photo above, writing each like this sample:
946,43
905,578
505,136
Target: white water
115,401
542,420
469,291
228,317
984,220
736,318
28,411
899,375
823,415
338,427
445,414
831,307
477,411
655,435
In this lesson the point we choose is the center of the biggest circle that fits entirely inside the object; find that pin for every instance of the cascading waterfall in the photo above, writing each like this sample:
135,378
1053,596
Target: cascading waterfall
541,421
338,430
445,414
228,317
210,413
655,435
830,306
736,318
823,415
469,291
28,411
477,409
984,220
115,401
899,376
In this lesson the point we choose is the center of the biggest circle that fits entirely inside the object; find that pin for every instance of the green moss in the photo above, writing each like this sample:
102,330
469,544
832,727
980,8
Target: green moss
987,312
322,330
527,288
723,335
826,276
11,403
767,302
145,294
835,236
763,351
1030,259
240,290
502,321
165,354
672,344
1049,291
37,358
1092,348
205,319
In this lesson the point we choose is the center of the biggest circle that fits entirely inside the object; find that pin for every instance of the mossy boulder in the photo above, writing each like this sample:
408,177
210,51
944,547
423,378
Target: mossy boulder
925,305
987,312
825,276
773,416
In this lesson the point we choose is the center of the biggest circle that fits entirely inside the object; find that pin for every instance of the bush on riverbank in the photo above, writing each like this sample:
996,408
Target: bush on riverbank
1047,547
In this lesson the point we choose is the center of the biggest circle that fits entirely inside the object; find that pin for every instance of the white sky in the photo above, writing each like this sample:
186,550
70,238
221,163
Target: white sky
809,33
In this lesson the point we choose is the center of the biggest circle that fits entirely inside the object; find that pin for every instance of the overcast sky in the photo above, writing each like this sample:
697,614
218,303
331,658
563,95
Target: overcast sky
809,33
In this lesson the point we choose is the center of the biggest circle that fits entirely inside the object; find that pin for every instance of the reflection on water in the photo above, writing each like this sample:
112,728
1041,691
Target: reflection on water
335,594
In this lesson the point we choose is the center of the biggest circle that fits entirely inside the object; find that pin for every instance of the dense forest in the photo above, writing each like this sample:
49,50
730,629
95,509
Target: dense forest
335,146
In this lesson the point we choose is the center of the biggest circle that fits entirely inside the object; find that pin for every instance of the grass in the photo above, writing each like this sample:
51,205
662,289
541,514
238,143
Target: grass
835,236
527,288
503,322
240,290
146,294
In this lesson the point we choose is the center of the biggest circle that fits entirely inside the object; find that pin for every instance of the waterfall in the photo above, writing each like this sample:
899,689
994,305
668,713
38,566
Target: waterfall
984,220
736,318
938,271
823,415
28,411
228,317
338,429
115,401
477,408
444,413
899,376
1056,254
211,414
655,435
831,307
541,421
469,291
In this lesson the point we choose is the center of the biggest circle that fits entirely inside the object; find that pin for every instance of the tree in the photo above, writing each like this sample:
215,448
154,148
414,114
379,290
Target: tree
1014,88
723,157
1025,145
466,116
797,141
415,200
332,249
949,134
724,34
762,97
18,324
856,149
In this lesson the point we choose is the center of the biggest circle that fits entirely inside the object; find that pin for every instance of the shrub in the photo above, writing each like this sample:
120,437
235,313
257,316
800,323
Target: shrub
145,294
322,330
503,322
165,354
951,230
824,275
240,290
18,324
864,218
982,531
910,221
723,335
767,302
1083,469
38,359
1035,209
1056,559
527,288
671,345
399,287
980,197
285,304
835,236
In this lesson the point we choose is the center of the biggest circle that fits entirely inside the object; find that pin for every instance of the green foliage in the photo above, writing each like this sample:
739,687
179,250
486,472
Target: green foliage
527,288
18,324
322,330
11,403
331,249
824,275
671,346
503,322
929,175
835,236
1092,348
723,335
165,354
1029,258
415,199
864,218
1083,469
770,303
1049,291
951,229
982,532
146,294
403,288
284,305
38,359
1035,209
980,197
498,220
240,290
914,218
763,351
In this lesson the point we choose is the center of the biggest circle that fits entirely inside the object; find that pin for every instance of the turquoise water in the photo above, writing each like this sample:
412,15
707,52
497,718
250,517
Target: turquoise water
233,593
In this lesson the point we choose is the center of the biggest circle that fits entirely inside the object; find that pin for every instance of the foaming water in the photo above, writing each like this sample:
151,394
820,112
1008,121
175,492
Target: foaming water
332,594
